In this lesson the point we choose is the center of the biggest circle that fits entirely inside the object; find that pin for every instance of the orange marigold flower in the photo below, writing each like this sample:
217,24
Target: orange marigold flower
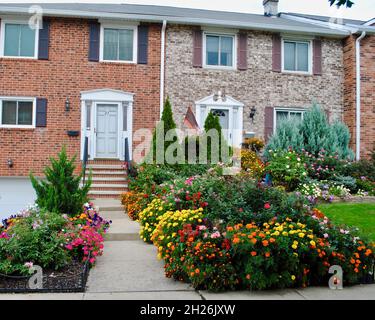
229,229
248,277
356,270
272,240
254,241
356,255
265,243
249,226
236,240
352,261
197,271
253,253
267,254
368,252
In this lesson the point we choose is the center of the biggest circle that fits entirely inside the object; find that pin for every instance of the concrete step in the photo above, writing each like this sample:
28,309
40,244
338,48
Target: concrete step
109,185
106,205
105,166
106,172
105,192
110,179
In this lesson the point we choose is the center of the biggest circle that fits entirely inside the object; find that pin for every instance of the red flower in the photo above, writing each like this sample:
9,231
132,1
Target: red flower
188,198
267,206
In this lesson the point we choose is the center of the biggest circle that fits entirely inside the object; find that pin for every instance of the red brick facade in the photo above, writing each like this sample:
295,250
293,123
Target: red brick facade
367,92
66,74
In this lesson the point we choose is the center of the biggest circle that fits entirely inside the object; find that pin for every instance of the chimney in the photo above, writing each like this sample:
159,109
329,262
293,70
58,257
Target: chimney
271,7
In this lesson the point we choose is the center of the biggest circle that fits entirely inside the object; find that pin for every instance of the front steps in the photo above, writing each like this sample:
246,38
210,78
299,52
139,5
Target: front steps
109,178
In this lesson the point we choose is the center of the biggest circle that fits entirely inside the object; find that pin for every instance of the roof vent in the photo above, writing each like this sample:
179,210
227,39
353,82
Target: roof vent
271,7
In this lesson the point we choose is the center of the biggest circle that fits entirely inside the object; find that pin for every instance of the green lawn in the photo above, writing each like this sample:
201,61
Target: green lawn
360,215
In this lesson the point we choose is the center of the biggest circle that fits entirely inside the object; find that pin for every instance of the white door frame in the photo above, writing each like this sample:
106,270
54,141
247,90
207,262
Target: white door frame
123,100
235,109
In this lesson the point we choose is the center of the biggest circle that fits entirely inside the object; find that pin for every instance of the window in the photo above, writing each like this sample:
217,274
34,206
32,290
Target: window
118,44
287,114
296,56
219,50
17,113
18,40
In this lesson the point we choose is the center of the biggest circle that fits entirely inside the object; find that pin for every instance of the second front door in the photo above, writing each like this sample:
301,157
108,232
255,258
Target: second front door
106,131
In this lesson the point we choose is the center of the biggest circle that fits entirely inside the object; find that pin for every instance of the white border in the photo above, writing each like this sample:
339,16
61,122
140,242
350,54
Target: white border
2,38
16,126
133,27
234,49
310,52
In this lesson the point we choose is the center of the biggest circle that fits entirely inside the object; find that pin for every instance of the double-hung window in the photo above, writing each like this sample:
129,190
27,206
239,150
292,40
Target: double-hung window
219,50
297,56
18,40
119,44
17,112
287,114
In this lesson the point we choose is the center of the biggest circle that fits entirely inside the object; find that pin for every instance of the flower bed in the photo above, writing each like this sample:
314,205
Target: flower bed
224,233
63,246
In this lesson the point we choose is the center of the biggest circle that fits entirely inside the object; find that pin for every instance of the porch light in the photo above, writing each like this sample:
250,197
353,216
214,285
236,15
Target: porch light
10,163
67,105
252,113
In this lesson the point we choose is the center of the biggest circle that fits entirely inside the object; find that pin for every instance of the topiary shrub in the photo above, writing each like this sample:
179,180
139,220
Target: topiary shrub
60,191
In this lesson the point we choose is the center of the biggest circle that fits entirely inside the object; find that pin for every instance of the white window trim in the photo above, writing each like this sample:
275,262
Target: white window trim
2,38
119,26
310,52
234,50
289,110
17,126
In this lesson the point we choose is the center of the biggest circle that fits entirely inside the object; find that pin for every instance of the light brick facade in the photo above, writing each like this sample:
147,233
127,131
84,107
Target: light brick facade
66,74
258,86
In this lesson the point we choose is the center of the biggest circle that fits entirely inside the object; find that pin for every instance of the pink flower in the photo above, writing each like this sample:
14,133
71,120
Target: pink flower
267,206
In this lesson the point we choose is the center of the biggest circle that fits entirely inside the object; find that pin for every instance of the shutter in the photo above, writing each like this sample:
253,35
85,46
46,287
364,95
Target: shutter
44,41
41,112
94,35
317,60
197,48
142,44
276,53
268,123
242,51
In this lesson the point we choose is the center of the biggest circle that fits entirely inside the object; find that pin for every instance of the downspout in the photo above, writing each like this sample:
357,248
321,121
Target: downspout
162,66
358,95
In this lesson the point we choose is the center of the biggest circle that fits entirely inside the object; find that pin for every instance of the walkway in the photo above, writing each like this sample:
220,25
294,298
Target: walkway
129,269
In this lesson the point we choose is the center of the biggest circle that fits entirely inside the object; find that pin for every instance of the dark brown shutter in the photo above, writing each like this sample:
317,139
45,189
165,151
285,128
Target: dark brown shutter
317,59
94,35
142,44
41,112
268,123
43,45
276,53
197,48
242,51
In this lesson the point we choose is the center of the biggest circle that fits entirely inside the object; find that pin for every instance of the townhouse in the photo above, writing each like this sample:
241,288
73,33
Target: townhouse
102,71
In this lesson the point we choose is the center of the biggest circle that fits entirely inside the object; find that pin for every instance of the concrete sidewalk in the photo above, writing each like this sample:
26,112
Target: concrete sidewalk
129,270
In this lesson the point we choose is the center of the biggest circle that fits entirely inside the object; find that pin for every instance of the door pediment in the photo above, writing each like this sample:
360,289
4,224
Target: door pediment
107,95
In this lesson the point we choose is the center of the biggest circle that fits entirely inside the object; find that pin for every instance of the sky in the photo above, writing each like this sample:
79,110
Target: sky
362,9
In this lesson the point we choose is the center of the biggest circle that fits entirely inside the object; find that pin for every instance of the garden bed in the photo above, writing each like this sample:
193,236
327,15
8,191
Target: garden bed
71,278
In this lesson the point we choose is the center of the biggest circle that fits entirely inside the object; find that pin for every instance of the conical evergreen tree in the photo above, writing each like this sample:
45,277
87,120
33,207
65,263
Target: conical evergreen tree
60,192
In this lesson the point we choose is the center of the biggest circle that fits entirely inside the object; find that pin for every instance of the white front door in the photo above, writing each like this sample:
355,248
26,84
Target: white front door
224,122
106,130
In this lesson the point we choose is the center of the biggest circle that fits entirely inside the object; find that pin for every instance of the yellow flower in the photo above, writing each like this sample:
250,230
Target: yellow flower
285,234
293,277
301,234
312,242
294,246
310,236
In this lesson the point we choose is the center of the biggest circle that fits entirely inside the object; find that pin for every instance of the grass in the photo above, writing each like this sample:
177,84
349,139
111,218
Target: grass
360,215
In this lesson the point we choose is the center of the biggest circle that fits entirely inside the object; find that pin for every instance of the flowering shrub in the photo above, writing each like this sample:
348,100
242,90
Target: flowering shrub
50,240
323,166
133,203
149,218
254,144
323,190
286,168
251,163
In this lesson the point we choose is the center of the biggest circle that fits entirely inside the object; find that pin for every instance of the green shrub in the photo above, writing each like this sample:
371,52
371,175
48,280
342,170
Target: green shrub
287,169
60,192
35,238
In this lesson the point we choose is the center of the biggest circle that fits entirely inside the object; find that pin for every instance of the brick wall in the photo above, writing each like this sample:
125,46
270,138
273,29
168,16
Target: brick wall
367,92
66,74
258,86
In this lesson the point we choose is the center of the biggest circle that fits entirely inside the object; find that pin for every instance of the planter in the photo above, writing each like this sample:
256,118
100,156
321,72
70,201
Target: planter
71,278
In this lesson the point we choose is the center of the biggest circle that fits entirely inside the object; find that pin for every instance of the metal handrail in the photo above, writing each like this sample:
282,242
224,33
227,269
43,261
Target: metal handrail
127,154
85,158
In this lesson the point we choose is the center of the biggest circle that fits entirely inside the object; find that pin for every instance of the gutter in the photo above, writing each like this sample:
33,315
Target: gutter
251,25
358,95
162,66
